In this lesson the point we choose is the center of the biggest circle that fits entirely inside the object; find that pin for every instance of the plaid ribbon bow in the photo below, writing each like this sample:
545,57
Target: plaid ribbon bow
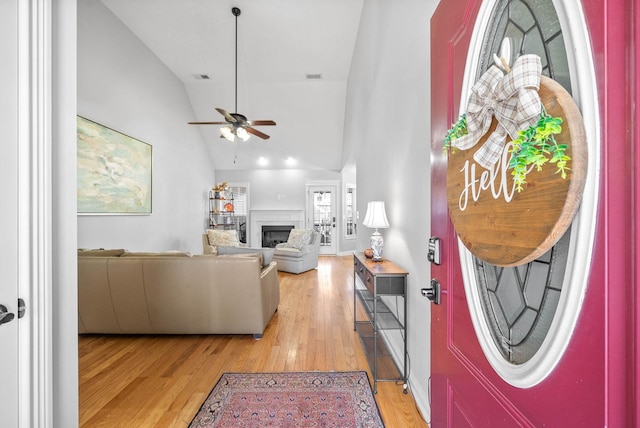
512,98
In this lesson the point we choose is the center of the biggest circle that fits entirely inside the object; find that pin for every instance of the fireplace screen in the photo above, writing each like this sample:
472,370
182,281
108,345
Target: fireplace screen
273,235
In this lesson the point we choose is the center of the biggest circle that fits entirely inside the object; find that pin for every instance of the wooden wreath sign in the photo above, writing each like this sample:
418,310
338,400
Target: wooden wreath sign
501,225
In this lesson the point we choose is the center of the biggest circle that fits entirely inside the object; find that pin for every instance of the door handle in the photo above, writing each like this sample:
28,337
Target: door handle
432,292
5,315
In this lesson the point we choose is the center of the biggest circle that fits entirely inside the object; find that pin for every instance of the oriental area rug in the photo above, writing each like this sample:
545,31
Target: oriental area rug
292,399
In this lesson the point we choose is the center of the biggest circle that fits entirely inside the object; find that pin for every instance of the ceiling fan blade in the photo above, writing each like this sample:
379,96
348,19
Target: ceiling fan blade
226,115
208,123
262,122
257,133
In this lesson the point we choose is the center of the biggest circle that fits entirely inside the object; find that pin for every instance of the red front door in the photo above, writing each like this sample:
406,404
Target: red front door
595,383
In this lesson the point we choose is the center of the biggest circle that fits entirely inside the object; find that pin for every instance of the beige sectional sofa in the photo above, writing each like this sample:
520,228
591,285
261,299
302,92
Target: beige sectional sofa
175,293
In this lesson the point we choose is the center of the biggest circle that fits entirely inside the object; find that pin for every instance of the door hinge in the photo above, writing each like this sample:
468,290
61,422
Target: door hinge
5,315
22,308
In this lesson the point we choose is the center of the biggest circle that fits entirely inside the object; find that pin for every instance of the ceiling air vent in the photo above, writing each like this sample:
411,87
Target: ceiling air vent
316,76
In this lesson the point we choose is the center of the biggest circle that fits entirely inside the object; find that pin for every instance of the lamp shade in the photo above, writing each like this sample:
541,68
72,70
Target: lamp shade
367,216
376,217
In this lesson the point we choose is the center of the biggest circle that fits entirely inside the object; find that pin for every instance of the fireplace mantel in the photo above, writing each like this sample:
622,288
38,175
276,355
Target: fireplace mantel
261,218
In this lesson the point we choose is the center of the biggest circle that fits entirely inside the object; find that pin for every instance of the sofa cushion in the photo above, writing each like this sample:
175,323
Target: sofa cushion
289,252
298,238
101,252
223,237
156,254
267,253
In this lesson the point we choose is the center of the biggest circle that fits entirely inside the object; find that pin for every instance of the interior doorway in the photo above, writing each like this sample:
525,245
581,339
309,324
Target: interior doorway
321,215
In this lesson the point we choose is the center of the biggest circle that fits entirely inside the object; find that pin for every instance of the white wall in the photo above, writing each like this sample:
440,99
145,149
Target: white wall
123,86
265,185
387,132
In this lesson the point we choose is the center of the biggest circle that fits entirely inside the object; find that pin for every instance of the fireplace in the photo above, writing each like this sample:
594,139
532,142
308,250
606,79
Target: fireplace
259,218
275,234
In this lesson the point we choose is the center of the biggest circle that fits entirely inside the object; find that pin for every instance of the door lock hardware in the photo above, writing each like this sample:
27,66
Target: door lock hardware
432,292
434,250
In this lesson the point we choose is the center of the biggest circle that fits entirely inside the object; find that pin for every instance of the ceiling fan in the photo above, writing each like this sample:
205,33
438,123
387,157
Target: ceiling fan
237,125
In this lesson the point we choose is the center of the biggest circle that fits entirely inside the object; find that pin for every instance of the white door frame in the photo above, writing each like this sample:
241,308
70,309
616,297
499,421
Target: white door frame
34,207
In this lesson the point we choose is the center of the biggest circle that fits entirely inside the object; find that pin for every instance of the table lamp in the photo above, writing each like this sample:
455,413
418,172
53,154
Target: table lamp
376,218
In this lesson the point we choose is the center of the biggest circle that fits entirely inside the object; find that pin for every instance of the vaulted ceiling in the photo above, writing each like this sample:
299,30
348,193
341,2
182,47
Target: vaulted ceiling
283,47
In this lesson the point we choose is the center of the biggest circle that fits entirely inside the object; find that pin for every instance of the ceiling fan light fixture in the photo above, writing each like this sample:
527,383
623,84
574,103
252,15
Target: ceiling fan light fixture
236,124
231,132
227,133
242,133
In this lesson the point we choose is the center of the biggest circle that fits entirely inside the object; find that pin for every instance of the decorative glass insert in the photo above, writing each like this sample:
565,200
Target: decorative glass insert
519,303
322,216
350,224
532,27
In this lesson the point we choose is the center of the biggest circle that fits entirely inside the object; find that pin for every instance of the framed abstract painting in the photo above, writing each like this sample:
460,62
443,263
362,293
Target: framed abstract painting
114,171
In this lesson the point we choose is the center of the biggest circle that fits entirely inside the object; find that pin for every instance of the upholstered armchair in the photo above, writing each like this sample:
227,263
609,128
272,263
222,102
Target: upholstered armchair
300,253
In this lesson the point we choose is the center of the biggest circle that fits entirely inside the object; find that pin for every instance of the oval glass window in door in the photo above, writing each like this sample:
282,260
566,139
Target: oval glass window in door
524,315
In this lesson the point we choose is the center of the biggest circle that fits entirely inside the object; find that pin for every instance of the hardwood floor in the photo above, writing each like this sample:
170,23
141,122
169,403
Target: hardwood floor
161,381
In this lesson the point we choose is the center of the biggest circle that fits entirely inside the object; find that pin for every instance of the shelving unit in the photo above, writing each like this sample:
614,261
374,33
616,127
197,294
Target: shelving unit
371,282
221,211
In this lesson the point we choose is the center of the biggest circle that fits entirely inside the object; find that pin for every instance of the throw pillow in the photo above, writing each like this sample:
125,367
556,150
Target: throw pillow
267,253
223,237
298,238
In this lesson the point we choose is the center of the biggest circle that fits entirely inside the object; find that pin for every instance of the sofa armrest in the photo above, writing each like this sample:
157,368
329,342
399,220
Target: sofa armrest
271,285
206,248
314,246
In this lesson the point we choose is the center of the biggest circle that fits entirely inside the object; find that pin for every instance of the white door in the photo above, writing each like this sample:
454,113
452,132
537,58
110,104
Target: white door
8,214
321,215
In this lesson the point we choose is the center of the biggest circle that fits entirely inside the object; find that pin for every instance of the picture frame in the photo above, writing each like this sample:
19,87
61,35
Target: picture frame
114,171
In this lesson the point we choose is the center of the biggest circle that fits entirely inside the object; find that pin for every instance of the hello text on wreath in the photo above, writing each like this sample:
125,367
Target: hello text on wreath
517,164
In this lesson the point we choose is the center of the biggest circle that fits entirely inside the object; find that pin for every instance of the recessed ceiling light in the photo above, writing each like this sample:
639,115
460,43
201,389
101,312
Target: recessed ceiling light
262,161
290,161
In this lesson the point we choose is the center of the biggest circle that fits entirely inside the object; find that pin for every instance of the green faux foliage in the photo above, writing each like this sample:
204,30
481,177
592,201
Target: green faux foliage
535,146
457,130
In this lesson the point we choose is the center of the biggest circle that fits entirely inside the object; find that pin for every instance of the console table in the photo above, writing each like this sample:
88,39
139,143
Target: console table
373,281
